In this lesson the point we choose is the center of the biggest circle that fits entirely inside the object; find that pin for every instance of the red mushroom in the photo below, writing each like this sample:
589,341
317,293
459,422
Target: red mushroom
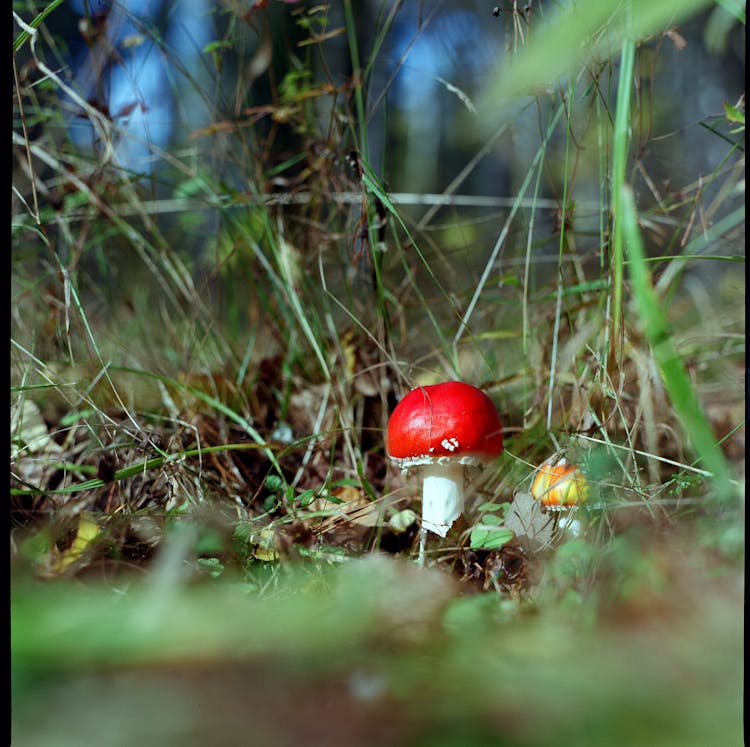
442,428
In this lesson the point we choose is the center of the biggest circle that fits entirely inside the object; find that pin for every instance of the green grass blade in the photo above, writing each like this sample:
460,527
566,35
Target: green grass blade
357,79
24,35
671,369
619,169
560,43
735,7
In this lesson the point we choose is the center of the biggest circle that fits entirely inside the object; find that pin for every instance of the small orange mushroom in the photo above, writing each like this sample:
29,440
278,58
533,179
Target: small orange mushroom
559,485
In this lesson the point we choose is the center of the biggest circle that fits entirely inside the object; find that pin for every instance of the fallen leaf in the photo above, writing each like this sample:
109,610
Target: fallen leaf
349,504
28,430
533,528
266,550
86,534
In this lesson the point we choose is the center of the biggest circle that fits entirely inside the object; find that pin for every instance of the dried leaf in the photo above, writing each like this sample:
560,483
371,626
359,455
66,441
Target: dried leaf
266,550
28,430
533,528
350,504
86,534
677,39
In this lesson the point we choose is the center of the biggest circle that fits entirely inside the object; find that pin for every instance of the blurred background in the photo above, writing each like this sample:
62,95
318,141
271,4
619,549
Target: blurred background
186,89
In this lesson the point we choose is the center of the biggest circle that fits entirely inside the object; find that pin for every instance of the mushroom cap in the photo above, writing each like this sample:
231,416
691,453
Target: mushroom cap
557,483
449,422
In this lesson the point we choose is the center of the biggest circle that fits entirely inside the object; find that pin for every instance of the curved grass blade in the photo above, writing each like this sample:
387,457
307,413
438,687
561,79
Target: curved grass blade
671,369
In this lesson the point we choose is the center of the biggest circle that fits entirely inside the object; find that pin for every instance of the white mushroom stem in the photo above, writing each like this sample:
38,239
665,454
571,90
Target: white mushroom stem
569,524
442,496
